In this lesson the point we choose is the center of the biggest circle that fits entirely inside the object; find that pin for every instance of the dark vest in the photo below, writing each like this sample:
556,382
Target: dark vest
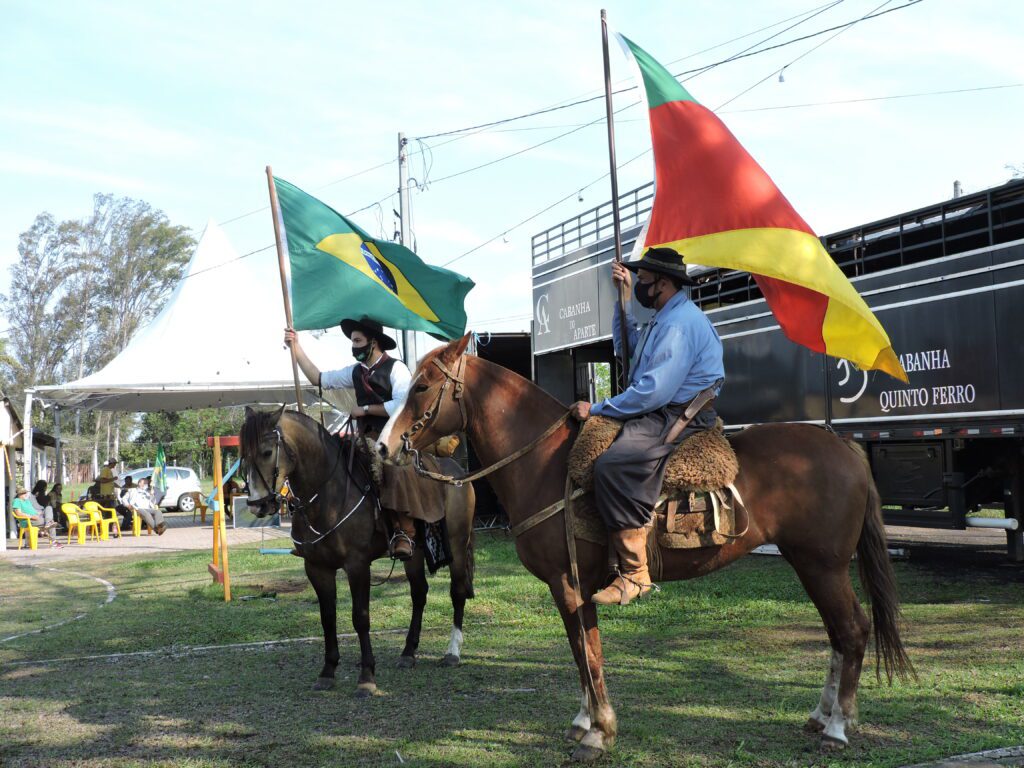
373,387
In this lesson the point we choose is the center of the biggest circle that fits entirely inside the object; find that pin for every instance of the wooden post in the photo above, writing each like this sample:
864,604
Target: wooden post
220,531
275,210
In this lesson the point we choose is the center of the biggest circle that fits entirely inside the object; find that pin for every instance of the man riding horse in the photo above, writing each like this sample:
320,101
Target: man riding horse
674,358
381,383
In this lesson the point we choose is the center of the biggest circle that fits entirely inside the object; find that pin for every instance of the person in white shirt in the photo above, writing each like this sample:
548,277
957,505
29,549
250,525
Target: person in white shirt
380,382
139,499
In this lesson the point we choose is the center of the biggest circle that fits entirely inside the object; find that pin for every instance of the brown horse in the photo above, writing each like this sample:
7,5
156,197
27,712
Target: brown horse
807,491
334,526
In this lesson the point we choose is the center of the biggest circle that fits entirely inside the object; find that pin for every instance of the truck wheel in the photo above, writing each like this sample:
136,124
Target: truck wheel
187,502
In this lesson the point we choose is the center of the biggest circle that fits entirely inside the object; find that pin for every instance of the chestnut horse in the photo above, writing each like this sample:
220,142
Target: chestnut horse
807,491
335,526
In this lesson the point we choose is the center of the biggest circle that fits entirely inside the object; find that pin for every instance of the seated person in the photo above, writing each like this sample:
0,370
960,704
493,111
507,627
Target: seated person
56,501
26,505
139,499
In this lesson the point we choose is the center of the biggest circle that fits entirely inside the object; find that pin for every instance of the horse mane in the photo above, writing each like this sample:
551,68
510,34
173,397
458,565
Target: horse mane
259,423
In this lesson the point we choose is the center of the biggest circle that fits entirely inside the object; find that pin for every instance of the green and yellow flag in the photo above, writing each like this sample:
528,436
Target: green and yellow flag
339,271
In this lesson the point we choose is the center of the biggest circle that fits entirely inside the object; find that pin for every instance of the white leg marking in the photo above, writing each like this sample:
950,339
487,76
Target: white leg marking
836,727
455,644
582,720
594,738
823,711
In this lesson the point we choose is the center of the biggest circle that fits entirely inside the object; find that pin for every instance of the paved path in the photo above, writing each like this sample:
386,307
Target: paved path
181,535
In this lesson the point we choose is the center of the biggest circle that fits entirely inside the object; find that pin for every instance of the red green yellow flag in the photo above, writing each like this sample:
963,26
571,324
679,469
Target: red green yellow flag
717,207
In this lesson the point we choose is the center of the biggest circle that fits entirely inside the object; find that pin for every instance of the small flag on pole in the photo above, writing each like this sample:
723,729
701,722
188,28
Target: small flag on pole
160,470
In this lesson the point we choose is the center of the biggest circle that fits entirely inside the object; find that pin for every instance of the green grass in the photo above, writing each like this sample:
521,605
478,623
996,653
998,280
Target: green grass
717,672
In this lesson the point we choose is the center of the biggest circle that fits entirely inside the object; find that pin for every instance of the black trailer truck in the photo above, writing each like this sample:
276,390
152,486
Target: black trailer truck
947,283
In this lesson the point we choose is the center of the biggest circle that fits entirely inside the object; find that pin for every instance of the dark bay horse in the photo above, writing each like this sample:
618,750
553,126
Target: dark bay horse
334,526
806,490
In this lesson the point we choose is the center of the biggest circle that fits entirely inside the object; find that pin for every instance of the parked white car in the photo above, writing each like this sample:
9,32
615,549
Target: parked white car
181,483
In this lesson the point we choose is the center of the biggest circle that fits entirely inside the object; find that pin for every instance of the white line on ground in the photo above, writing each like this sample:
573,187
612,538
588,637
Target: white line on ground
111,594
184,650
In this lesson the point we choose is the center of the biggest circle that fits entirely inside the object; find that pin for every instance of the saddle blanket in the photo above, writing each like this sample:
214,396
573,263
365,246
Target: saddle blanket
705,461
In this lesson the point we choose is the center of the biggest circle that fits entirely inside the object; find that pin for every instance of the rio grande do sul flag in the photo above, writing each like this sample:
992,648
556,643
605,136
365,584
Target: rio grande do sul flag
339,271
717,207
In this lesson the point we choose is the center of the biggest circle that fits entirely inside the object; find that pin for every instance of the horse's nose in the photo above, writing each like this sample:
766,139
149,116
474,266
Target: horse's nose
382,449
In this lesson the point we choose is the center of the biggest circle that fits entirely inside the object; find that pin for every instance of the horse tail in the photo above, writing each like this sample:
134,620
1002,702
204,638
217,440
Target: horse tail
878,579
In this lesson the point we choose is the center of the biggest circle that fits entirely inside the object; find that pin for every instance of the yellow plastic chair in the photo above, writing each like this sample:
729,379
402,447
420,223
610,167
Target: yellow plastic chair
137,524
25,527
107,519
76,523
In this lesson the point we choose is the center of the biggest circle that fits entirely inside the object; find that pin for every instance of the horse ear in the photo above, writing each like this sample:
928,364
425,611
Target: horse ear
277,416
249,413
460,348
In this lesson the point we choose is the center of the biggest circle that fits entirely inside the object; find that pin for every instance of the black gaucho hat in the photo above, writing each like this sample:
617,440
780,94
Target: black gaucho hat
371,328
662,260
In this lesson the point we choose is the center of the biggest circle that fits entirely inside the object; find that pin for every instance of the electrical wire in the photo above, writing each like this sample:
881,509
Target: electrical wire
807,53
695,71
574,193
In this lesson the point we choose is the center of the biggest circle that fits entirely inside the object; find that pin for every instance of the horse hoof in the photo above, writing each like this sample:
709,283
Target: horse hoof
406,662
814,726
365,690
451,660
829,744
323,684
575,732
585,754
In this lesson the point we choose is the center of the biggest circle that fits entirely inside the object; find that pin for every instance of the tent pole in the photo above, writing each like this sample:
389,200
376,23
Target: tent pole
276,213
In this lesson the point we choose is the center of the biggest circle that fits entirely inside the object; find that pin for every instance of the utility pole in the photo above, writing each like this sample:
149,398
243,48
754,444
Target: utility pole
404,212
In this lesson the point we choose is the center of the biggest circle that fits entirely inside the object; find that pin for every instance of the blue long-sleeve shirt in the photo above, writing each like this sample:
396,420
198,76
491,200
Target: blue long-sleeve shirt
681,357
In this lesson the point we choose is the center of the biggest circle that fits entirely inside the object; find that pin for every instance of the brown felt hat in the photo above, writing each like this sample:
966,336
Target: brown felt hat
371,328
664,261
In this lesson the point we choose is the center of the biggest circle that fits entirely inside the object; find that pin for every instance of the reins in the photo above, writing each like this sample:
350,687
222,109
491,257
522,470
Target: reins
296,506
456,379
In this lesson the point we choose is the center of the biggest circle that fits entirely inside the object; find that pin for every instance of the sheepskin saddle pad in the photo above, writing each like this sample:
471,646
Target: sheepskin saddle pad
705,461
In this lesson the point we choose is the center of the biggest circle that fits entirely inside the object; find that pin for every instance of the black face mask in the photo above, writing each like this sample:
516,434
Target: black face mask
645,294
361,353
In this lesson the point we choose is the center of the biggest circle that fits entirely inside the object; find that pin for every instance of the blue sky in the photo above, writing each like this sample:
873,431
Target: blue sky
183,105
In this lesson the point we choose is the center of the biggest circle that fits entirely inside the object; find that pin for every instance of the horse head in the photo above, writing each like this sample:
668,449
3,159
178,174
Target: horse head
267,456
435,406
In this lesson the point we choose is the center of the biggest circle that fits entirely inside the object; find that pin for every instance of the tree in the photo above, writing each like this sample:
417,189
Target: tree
80,290
183,435
44,323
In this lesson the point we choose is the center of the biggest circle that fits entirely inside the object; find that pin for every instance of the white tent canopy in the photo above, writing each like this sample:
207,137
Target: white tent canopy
217,342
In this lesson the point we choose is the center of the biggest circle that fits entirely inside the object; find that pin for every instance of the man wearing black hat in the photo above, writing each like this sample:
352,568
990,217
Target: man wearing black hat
673,359
380,382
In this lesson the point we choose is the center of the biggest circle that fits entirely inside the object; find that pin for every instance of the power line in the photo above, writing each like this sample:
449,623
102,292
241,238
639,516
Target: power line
809,52
695,71
576,191
874,98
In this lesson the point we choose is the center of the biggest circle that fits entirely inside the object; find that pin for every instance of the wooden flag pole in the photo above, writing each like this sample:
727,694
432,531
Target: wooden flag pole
616,221
275,210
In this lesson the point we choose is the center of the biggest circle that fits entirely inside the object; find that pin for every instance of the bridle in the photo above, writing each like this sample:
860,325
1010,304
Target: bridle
452,378
295,505
455,378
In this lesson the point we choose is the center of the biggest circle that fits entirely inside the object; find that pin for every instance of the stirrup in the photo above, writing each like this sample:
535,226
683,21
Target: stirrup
398,536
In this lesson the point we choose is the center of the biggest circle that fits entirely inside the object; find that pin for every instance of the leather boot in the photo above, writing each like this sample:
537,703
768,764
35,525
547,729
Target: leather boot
633,579
403,541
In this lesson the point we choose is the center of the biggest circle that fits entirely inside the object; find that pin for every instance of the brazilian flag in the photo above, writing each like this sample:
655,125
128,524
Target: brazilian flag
159,481
339,271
